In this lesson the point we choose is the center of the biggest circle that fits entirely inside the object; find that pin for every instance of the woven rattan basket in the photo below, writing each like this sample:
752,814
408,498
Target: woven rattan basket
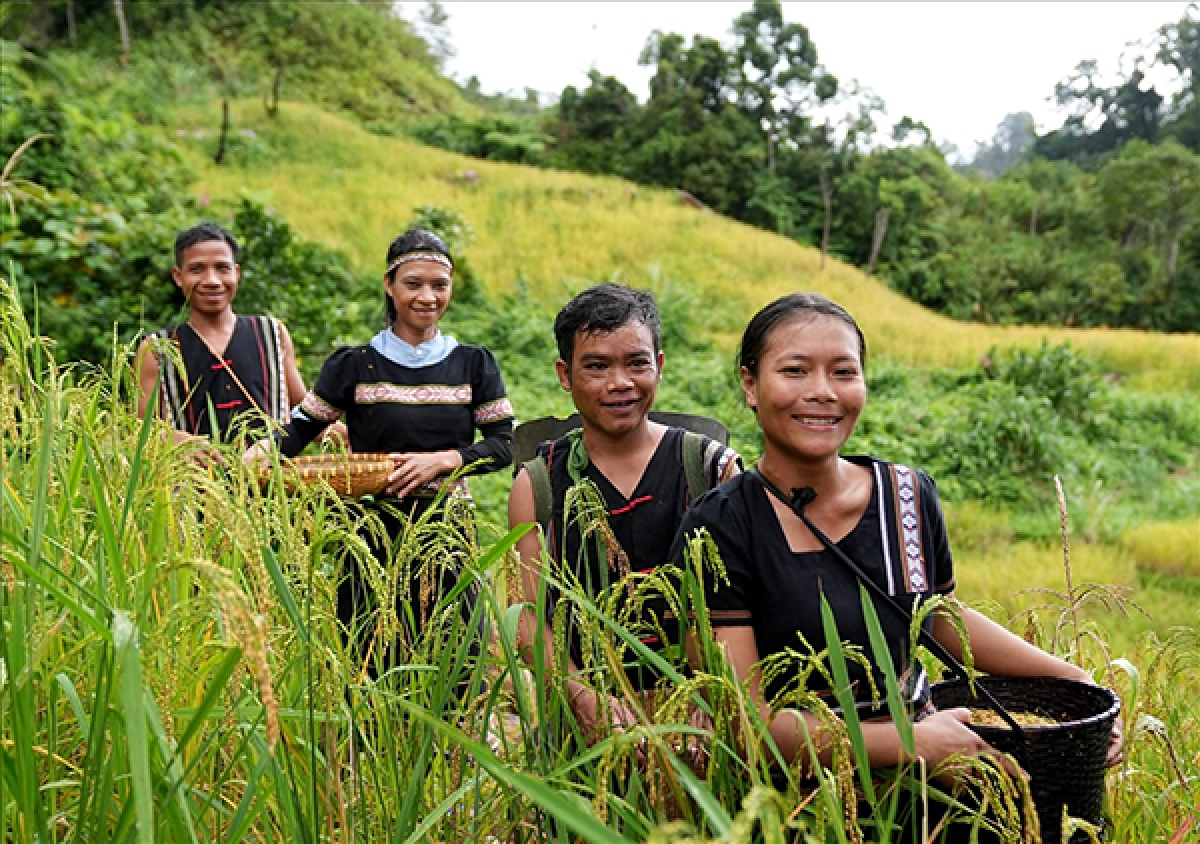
352,475
1064,760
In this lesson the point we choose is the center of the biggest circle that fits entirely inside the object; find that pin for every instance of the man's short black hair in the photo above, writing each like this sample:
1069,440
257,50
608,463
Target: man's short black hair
604,308
203,233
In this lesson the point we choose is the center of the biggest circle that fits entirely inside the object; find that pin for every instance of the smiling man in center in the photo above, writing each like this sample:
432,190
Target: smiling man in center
611,362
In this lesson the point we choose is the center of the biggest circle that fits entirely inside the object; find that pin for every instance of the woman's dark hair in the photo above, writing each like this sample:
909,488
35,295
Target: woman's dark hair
808,305
203,233
413,240
604,308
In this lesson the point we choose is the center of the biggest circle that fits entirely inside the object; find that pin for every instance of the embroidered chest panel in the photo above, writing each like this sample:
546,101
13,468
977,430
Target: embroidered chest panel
415,395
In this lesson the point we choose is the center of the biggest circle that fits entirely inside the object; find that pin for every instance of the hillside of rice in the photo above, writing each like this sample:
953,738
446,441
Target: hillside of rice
354,190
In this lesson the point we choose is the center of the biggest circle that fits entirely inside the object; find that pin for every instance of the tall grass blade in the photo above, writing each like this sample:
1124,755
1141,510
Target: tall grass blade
845,698
565,810
285,592
133,703
897,707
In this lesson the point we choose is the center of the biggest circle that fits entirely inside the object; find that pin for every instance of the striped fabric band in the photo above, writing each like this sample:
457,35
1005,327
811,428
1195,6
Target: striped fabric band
436,257
317,409
277,393
269,333
493,411
885,539
421,394
173,392
908,519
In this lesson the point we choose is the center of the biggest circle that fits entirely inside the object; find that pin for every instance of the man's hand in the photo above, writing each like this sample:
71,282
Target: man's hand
255,455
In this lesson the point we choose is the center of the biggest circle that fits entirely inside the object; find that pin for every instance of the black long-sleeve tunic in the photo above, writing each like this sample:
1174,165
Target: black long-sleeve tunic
394,408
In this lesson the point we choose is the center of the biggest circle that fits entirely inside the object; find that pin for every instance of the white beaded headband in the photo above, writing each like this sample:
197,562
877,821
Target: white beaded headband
436,257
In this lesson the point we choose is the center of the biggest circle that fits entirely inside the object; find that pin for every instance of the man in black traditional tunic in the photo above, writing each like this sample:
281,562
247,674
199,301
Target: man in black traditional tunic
232,365
611,363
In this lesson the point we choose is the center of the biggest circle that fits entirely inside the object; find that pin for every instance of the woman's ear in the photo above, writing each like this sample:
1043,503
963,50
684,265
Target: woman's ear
750,389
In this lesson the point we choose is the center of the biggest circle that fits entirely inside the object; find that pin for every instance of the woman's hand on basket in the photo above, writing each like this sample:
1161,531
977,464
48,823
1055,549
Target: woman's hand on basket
1116,740
945,734
1116,744
415,469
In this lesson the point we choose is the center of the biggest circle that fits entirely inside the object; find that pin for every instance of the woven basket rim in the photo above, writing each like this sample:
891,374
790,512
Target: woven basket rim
338,459
1111,711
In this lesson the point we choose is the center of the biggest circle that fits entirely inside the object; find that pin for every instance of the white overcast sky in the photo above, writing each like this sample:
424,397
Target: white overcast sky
960,67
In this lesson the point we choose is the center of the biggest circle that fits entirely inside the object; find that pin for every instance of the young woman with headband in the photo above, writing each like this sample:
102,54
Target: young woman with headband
412,392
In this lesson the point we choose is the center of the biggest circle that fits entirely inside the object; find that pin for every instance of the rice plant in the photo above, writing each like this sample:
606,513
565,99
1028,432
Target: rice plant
174,669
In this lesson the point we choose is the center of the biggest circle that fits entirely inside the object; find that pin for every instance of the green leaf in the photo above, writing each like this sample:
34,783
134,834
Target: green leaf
125,639
845,697
883,657
285,592
558,804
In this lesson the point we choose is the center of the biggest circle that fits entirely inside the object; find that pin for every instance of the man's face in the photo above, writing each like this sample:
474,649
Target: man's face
208,277
613,377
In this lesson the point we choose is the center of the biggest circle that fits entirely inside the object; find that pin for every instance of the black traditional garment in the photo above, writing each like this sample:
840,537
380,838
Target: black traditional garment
643,524
389,407
249,379
900,542
392,407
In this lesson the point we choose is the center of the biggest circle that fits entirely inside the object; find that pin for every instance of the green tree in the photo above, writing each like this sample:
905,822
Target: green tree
777,76
1011,144
592,126
1152,200
1179,47
1130,110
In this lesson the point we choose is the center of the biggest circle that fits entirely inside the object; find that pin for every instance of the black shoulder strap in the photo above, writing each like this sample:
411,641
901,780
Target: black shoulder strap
693,465
543,494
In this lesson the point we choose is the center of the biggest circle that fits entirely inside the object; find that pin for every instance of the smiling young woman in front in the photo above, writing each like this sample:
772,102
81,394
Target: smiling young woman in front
802,367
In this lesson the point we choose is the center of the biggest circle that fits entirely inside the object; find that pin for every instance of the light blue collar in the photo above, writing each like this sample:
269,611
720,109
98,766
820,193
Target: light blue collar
427,354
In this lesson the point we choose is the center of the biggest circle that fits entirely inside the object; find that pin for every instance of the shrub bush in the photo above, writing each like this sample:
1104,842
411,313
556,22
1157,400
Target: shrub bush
1170,548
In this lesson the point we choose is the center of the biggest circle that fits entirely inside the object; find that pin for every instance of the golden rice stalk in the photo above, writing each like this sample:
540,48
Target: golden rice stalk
249,631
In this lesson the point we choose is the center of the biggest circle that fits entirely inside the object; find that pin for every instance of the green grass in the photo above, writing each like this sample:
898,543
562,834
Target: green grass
1168,548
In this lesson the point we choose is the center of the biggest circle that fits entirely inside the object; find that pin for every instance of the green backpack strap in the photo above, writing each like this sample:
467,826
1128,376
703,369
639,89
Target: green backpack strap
693,465
543,495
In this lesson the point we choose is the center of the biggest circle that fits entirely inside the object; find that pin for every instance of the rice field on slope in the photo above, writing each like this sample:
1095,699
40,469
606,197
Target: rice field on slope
351,189
540,228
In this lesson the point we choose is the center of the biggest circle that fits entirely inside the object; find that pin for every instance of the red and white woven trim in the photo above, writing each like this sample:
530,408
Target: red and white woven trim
493,411
420,394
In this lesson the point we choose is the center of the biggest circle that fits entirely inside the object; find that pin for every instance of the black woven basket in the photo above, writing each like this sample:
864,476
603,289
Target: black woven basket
1064,760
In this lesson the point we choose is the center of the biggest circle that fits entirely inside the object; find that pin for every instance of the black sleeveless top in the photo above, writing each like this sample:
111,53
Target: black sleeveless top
643,524
211,393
